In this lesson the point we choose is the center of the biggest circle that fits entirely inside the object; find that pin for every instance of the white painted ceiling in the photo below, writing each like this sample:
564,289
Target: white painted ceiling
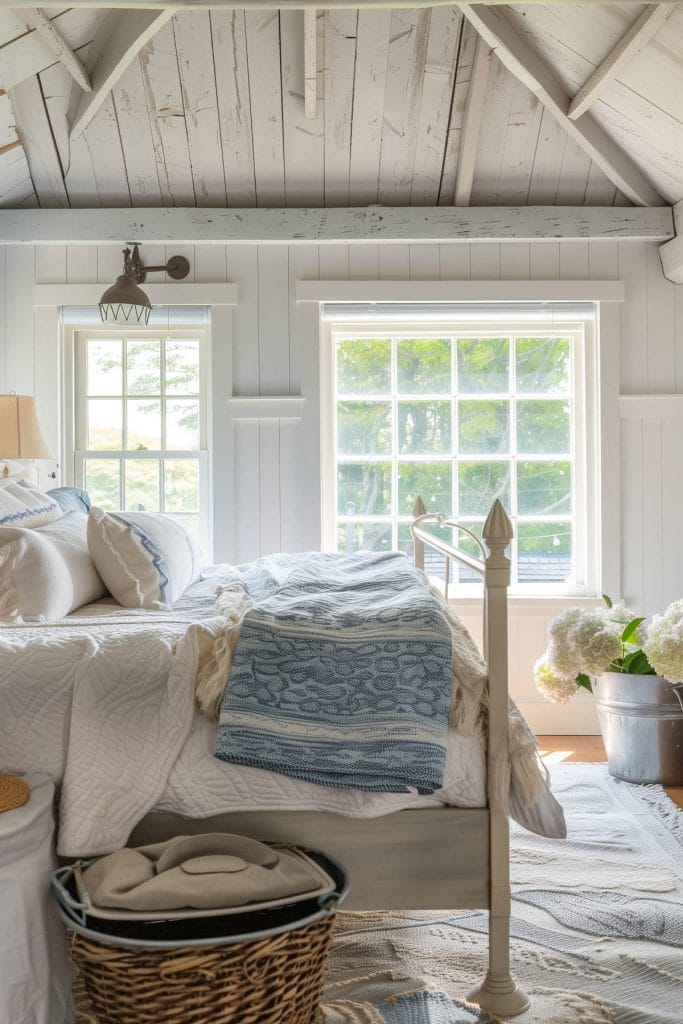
211,113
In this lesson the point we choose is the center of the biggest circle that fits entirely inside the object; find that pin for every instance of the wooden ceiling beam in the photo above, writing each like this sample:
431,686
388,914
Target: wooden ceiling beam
50,34
35,134
294,5
671,253
29,54
526,65
645,26
472,118
118,40
369,223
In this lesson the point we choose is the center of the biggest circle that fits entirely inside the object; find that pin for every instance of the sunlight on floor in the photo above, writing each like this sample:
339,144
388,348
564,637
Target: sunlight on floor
556,756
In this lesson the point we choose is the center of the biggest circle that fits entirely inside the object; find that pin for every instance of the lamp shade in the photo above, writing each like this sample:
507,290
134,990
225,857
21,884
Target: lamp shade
20,433
125,302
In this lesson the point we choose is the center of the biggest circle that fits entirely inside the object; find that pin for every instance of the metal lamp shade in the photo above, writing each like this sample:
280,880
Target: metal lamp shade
20,433
125,302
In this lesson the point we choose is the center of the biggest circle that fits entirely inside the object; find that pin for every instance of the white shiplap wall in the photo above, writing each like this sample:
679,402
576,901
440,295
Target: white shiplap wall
273,497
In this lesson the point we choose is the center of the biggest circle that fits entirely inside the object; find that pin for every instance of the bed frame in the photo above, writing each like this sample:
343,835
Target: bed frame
432,858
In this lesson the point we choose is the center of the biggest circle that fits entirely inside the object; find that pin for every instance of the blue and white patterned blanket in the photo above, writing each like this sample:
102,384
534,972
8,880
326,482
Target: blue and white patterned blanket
342,673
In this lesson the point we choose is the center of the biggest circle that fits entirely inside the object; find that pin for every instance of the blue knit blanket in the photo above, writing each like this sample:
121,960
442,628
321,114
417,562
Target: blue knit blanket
341,674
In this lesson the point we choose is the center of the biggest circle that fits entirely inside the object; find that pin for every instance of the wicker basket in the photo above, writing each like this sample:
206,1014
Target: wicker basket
276,980
268,971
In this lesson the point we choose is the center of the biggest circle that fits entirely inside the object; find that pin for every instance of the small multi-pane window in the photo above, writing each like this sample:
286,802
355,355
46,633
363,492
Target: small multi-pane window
140,422
461,418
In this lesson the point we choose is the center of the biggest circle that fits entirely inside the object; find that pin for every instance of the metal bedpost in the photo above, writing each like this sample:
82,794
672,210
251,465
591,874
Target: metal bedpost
419,509
498,993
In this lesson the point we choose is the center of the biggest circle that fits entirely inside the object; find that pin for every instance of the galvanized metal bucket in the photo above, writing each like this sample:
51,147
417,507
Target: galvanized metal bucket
641,719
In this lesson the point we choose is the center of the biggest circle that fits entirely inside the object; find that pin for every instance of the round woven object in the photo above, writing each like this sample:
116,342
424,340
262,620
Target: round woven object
274,980
13,792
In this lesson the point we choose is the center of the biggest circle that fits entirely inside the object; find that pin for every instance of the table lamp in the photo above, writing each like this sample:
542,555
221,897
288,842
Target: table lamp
20,434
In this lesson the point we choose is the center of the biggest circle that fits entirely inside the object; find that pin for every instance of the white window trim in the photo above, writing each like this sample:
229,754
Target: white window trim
585,485
48,300
73,454
599,493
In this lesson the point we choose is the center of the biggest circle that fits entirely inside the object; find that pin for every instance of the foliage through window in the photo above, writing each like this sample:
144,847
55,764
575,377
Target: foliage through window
140,422
460,418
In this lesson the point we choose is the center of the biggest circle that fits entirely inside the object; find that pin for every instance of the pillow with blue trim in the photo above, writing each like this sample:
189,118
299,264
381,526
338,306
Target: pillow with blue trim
146,559
71,499
25,506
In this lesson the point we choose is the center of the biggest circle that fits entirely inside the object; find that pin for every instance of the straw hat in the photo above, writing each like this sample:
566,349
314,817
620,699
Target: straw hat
13,792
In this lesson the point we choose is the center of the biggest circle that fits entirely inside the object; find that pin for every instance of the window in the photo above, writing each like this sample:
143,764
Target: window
459,416
140,422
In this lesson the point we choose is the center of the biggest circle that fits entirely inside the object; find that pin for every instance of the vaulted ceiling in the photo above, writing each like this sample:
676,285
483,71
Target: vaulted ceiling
271,108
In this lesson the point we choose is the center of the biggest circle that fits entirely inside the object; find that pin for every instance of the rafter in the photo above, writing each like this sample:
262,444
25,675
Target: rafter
671,253
51,35
310,63
474,109
638,35
34,133
29,54
525,64
117,42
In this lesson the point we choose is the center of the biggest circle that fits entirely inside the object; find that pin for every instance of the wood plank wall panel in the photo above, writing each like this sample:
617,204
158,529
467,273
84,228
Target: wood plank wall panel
273,495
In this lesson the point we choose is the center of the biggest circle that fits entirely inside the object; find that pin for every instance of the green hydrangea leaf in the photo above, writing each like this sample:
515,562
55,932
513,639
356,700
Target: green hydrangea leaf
631,629
608,600
637,664
583,680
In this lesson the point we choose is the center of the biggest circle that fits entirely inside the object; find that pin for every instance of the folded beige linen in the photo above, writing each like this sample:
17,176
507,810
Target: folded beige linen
203,872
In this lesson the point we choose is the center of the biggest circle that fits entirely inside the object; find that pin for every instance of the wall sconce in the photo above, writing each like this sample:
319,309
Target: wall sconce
125,301
20,434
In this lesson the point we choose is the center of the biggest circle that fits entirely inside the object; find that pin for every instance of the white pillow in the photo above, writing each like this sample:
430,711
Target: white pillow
25,506
46,573
146,559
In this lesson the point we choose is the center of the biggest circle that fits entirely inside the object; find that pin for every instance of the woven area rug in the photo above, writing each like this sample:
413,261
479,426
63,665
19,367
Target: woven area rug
597,925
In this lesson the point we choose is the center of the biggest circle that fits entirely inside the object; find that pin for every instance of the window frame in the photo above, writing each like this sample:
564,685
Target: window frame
585,439
75,419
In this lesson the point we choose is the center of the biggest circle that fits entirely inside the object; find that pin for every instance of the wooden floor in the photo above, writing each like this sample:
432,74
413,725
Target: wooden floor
555,749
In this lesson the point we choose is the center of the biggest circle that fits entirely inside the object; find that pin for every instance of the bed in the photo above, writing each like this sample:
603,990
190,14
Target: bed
118,702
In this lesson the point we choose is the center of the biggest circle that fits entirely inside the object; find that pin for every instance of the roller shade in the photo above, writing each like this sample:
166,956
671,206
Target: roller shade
161,316
458,312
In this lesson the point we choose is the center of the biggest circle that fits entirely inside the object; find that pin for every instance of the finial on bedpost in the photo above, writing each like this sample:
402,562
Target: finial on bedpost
419,509
497,534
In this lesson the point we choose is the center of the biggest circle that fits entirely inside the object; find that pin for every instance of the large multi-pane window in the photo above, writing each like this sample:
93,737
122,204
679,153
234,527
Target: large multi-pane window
460,417
140,422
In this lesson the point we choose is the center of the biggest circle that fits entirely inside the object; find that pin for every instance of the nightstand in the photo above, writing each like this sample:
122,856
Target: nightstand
35,973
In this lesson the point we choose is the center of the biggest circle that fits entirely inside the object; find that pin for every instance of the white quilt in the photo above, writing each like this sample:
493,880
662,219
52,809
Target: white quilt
103,702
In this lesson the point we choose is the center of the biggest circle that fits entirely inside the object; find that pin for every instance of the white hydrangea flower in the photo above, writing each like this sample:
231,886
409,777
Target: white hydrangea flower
583,641
620,616
562,652
664,647
597,643
554,687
